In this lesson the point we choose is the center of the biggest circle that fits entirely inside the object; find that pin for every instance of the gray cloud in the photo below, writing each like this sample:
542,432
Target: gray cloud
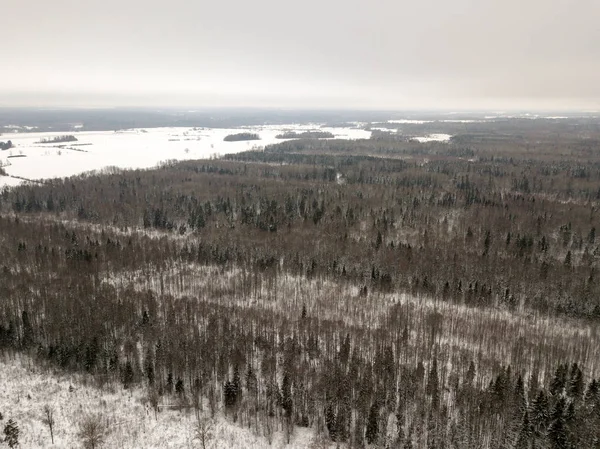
377,54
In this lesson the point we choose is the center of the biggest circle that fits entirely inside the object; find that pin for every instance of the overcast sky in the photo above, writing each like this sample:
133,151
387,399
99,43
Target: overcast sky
376,54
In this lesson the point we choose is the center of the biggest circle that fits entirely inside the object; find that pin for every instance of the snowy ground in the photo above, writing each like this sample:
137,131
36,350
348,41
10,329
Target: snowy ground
27,388
433,138
420,139
134,148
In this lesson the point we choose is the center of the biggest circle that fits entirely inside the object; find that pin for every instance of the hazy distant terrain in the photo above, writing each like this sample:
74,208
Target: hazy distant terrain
28,119
143,138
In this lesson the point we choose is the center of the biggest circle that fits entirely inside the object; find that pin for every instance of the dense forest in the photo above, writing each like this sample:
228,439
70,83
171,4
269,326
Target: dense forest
59,139
305,135
383,292
241,136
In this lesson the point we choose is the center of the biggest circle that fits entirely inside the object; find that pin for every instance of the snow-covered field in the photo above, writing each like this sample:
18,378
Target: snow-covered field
420,139
433,138
133,148
131,422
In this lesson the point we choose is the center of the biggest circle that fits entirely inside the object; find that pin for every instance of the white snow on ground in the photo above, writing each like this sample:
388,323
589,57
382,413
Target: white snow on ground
339,133
17,127
8,181
421,122
487,118
388,130
410,122
27,388
433,138
462,121
504,116
134,148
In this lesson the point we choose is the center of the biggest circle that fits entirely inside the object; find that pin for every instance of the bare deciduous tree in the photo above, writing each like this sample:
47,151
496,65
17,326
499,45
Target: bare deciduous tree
154,399
204,431
48,419
92,431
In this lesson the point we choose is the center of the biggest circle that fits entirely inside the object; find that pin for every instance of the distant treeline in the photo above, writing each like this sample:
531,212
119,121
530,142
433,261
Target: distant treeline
241,136
305,135
59,139
6,145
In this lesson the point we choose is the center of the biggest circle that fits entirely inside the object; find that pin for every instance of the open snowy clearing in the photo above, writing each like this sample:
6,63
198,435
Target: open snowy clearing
133,148
434,138
132,423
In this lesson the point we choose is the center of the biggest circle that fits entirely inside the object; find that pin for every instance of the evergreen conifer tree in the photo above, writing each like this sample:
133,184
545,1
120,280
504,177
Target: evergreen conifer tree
372,424
557,432
11,433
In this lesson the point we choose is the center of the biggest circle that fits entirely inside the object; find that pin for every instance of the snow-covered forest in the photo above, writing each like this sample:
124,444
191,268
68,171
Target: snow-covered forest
387,292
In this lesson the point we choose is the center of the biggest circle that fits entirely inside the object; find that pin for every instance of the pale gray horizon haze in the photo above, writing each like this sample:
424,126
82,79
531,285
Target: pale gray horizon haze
311,54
